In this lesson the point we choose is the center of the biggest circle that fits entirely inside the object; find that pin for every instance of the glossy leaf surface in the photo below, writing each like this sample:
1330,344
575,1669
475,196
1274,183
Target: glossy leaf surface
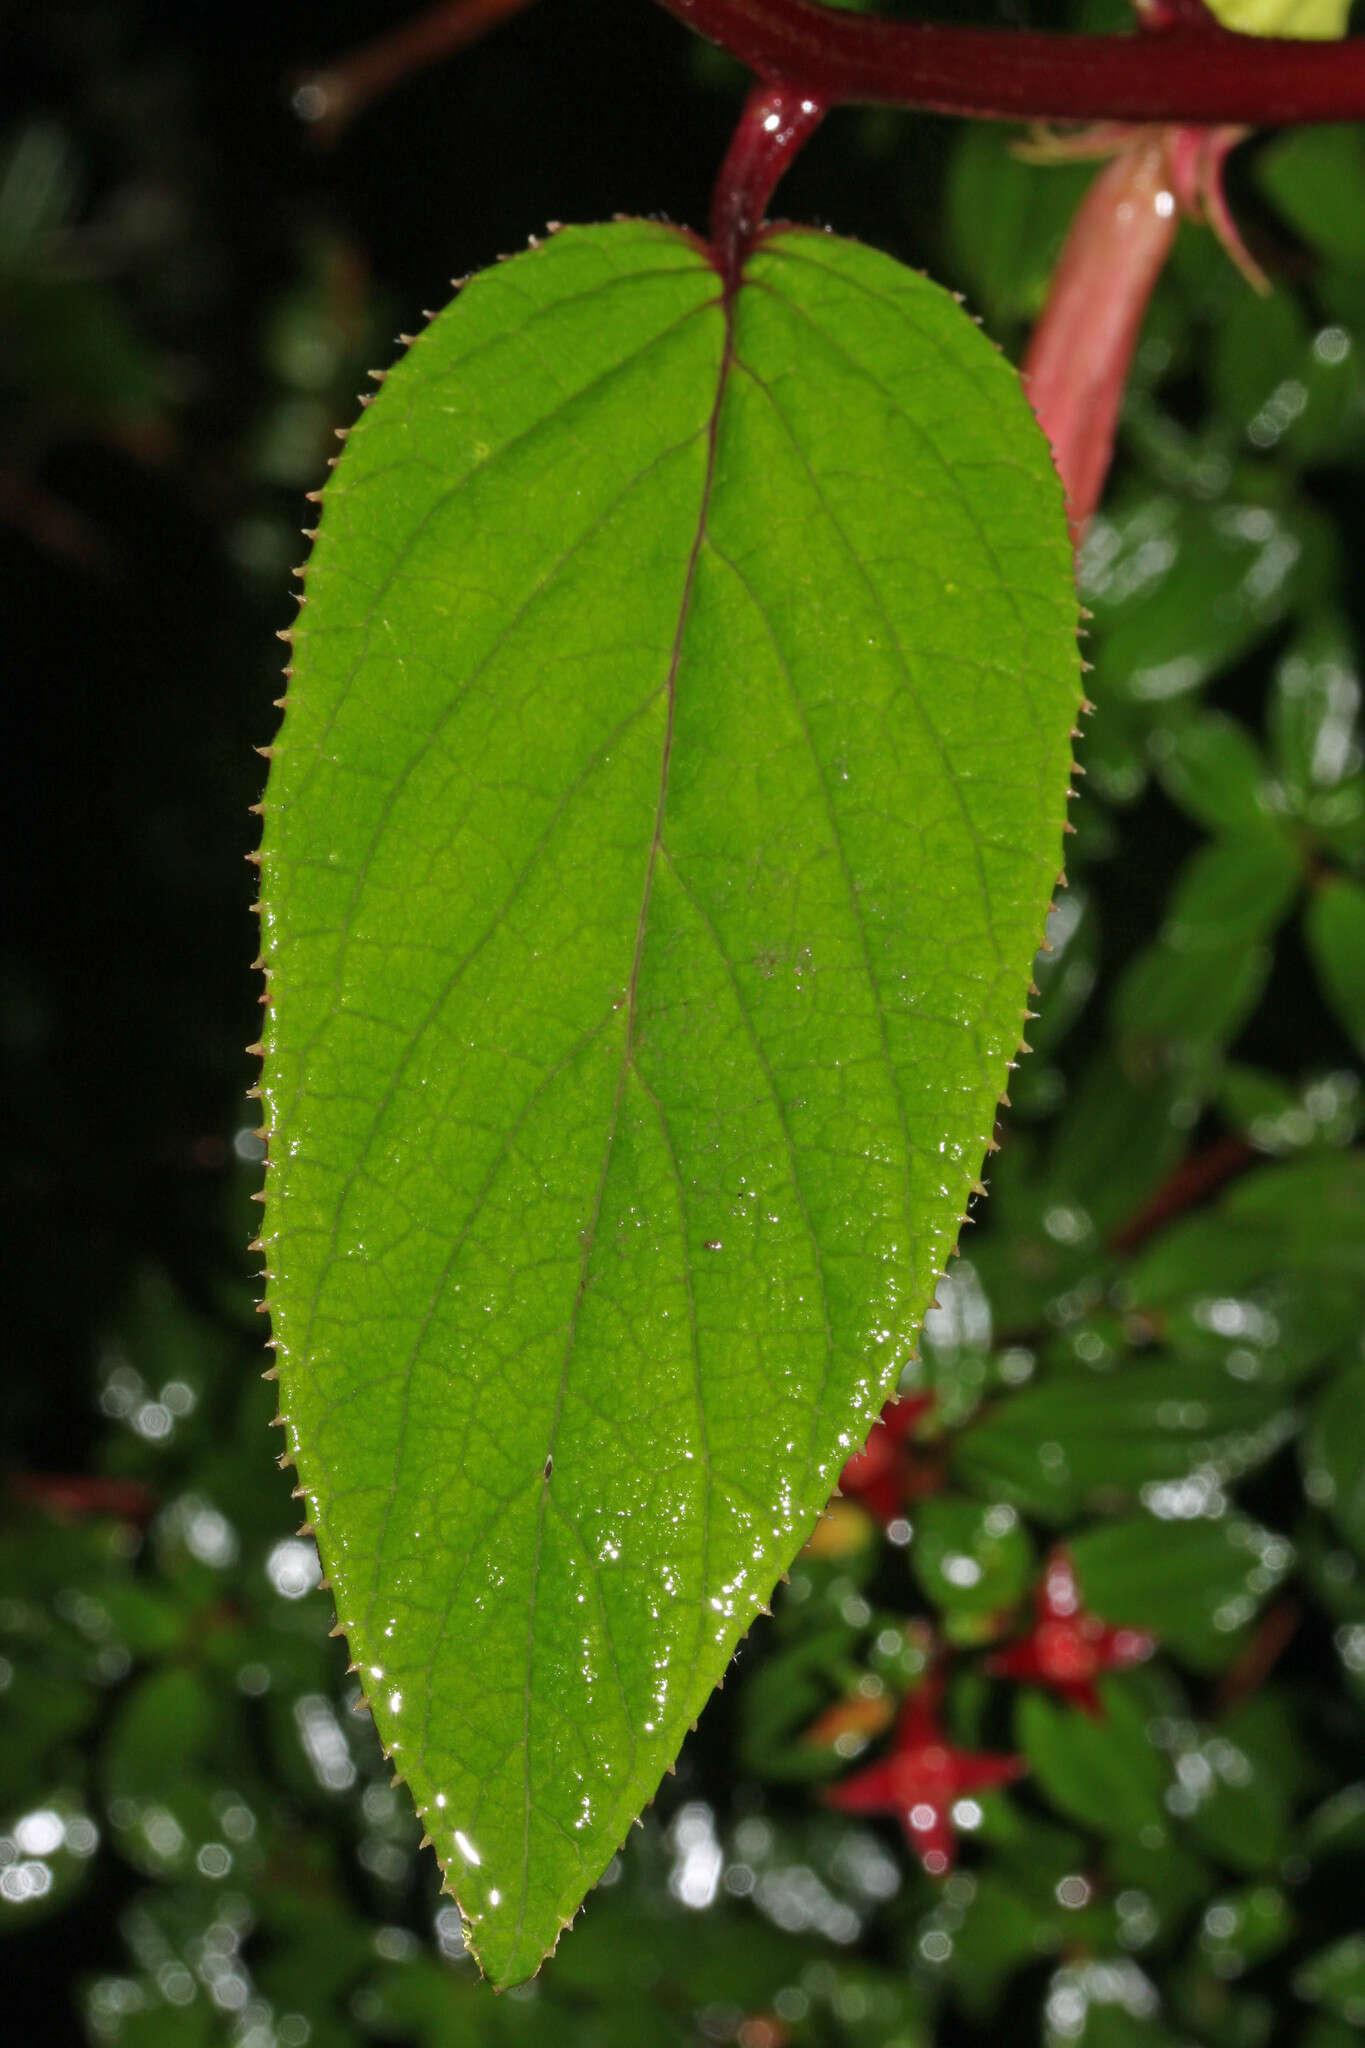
661,829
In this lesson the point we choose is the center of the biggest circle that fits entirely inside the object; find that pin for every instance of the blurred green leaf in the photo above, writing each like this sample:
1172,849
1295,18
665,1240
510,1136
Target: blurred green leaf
1212,768
1335,1977
1194,1583
1059,1450
1316,178
973,1563
1314,709
159,1778
1102,1772
1240,1929
1117,1138
1232,1790
1000,1933
1179,591
1334,926
1334,1454
1231,895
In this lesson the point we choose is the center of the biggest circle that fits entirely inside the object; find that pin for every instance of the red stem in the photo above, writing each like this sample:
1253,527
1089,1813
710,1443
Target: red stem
1184,73
76,1494
775,122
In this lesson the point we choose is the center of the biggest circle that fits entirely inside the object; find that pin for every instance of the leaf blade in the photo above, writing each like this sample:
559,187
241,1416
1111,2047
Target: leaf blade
621,1122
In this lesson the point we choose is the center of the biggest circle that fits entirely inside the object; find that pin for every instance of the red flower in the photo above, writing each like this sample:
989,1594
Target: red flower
923,1778
882,1475
1067,1648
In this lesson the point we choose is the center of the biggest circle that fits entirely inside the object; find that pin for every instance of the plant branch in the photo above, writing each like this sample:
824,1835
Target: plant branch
328,100
1182,72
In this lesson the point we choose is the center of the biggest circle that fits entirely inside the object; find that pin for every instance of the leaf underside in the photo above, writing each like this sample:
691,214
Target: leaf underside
660,832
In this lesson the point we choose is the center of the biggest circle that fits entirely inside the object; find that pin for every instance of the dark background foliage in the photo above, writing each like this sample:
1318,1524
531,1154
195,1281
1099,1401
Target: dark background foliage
1150,1352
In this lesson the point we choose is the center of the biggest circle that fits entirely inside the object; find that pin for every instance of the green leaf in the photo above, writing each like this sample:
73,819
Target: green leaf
1313,713
1335,1977
1334,925
1001,1933
1056,1450
1316,177
1116,1141
1334,1454
1231,895
1238,1781
1213,769
1194,1583
1101,1772
1271,1280
156,1772
661,829
1242,1928
1181,591
973,1562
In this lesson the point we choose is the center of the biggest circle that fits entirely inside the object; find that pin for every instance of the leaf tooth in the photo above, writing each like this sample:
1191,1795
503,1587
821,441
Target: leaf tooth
978,1187
272,1372
336,1629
